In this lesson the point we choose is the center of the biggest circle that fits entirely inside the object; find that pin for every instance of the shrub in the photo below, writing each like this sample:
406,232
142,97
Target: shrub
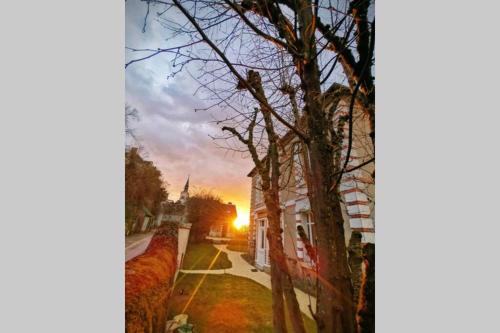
148,279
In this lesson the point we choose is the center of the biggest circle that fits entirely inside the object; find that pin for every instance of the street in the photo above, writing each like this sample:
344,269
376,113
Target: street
136,244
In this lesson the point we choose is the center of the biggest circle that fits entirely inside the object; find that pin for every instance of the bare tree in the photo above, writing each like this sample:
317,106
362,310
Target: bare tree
268,169
131,114
288,41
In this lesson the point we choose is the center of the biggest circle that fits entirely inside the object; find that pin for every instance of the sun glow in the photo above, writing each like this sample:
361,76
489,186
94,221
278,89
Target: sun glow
241,220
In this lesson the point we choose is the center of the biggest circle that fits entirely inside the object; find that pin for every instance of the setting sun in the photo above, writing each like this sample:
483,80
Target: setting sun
241,220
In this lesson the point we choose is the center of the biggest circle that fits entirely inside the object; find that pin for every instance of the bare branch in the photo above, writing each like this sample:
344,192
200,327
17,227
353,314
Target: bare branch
259,32
235,72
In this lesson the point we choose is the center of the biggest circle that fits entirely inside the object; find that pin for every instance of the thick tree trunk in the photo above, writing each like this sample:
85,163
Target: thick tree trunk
355,262
269,172
270,175
277,298
293,305
366,307
335,307
278,259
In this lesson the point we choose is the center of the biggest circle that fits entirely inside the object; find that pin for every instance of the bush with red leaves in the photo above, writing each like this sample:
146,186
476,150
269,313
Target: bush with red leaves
148,279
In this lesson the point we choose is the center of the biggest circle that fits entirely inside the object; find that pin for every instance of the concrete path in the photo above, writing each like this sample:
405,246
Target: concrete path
242,268
137,244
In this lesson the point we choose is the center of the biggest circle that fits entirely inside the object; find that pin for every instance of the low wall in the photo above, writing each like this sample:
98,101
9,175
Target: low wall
182,239
148,279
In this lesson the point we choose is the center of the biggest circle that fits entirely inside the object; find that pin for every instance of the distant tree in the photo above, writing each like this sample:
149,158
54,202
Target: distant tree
143,187
131,114
131,138
203,210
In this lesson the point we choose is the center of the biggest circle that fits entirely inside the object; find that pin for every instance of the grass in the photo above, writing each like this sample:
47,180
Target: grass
226,304
200,255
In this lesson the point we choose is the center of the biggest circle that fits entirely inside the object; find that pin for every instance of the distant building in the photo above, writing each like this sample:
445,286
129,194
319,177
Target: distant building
224,227
176,211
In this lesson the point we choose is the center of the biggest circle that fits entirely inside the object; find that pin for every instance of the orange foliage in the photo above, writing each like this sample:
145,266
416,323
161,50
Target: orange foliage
148,279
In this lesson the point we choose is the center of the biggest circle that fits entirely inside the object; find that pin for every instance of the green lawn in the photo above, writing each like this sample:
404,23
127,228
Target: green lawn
226,304
199,256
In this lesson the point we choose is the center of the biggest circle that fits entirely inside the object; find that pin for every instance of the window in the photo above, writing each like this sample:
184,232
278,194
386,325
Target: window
307,224
258,192
308,227
262,234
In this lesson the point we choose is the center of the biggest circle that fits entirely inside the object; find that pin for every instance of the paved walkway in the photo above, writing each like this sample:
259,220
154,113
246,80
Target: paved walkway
137,244
242,268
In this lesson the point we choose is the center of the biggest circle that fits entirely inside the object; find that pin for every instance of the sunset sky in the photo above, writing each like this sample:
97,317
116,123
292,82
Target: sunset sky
175,137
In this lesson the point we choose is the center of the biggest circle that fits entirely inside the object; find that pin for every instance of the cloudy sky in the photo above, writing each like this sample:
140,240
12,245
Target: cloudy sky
175,137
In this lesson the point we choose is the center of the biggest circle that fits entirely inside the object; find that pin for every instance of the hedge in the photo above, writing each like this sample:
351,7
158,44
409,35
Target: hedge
148,280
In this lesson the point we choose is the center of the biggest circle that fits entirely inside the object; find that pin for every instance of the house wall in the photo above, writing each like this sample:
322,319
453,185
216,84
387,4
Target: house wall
357,187
290,240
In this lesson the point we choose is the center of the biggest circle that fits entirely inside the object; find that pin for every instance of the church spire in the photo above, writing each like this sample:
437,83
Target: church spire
185,194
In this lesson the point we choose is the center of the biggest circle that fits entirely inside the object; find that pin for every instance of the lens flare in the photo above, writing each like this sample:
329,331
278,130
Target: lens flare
240,221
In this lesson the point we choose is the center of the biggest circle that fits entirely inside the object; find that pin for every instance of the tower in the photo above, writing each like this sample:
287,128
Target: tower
185,193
